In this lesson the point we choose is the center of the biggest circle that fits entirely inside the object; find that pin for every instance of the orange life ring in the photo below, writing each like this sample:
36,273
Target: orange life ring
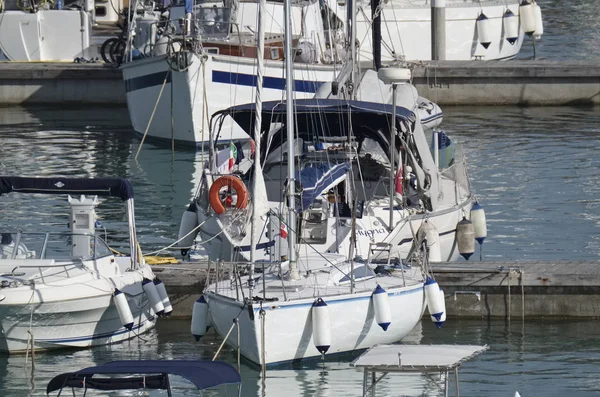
231,182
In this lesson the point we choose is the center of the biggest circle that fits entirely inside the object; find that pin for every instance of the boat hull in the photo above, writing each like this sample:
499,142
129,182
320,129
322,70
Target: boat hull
76,311
288,327
158,96
413,20
71,323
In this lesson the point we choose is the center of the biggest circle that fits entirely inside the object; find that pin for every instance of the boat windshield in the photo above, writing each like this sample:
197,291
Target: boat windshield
58,246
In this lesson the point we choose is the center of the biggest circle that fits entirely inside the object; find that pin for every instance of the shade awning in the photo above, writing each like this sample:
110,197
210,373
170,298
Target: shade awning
416,358
203,374
117,187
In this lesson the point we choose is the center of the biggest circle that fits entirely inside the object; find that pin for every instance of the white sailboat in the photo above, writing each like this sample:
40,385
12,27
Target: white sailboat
306,305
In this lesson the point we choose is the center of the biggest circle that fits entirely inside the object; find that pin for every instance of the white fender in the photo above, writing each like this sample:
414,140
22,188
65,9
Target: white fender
479,222
465,237
435,305
429,112
164,297
539,23
199,318
189,222
511,26
430,233
527,17
381,304
442,319
484,30
152,293
320,326
123,309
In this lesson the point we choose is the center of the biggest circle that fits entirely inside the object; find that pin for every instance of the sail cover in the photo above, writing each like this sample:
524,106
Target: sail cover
317,178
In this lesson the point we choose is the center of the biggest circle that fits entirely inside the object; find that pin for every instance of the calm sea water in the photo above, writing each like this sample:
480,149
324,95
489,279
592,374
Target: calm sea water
535,170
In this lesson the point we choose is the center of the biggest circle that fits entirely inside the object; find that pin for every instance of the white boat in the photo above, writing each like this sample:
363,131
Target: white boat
172,94
333,156
48,30
407,31
310,304
70,289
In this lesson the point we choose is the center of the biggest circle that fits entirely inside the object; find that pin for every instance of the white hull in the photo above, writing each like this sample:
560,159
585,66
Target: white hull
406,30
77,323
223,81
288,325
70,310
48,35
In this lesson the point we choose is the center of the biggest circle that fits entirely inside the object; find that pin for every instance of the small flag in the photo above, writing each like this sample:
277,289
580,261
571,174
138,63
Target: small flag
283,231
232,155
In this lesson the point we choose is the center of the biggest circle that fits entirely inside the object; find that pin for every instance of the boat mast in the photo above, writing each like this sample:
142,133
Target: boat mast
352,43
260,45
287,15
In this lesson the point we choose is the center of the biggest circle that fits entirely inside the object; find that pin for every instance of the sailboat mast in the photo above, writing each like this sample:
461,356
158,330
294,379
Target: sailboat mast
351,37
260,45
290,140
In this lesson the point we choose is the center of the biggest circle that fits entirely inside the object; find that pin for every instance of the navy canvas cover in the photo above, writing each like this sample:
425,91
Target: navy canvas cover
203,374
317,178
322,118
117,187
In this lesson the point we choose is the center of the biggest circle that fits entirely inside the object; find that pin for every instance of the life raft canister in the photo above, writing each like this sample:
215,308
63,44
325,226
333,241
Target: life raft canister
231,183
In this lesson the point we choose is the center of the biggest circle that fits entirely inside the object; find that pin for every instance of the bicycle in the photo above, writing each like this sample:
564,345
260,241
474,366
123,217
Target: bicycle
34,5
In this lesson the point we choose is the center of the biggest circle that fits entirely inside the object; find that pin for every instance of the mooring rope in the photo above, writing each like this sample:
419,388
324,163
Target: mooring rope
153,111
235,322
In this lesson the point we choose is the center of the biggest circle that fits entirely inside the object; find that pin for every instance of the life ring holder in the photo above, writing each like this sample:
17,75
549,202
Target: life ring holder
231,182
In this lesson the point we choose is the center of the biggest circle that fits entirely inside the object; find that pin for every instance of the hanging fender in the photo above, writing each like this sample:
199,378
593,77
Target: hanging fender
231,182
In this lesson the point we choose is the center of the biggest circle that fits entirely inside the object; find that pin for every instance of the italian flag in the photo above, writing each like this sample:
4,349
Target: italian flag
232,155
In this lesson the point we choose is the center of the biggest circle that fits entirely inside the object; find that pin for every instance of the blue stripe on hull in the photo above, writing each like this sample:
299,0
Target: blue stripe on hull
149,80
332,301
98,336
275,83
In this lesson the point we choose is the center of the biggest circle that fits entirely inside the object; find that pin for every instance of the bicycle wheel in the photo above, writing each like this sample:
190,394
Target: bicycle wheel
106,49
117,51
24,5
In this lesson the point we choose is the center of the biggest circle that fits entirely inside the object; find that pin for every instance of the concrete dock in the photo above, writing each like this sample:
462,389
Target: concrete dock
473,289
472,83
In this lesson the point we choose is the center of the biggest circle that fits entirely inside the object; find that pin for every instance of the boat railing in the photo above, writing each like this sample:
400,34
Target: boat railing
235,271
